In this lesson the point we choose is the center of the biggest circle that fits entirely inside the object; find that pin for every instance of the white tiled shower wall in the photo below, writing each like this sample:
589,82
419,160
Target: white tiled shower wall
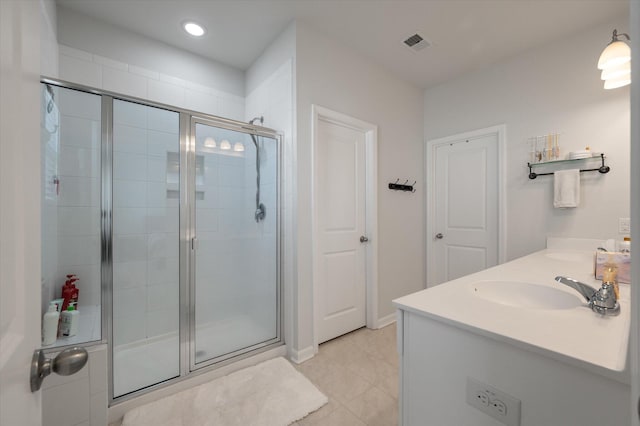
79,399
272,99
97,71
71,213
145,223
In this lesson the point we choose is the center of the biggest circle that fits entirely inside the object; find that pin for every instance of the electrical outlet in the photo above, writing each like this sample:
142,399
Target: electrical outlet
624,225
499,405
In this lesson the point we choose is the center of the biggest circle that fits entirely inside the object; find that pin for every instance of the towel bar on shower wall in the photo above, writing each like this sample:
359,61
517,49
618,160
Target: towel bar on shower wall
602,169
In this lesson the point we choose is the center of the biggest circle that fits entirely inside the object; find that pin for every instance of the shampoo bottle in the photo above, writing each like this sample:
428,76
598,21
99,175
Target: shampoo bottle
50,325
69,322
69,291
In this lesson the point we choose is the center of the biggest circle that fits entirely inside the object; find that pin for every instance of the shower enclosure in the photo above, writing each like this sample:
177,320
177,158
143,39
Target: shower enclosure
189,239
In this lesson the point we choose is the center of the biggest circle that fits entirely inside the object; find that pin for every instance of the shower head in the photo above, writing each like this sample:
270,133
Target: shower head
260,119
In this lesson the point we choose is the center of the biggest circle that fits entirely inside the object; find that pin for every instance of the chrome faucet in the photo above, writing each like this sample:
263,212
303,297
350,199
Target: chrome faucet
602,301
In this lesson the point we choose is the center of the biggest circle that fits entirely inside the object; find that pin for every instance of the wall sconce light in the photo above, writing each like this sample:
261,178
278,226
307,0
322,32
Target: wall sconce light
615,62
225,144
209,142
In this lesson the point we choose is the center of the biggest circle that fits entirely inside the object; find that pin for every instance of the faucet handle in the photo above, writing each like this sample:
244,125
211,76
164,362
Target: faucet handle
605,301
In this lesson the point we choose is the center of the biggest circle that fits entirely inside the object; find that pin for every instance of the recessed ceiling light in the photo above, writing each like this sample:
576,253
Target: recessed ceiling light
193,29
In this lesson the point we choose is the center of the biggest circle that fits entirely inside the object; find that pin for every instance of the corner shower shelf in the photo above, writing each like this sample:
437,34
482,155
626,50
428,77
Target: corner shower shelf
602,169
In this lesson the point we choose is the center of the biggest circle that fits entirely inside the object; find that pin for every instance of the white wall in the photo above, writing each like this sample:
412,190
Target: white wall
88,34
553,88
48,38
332,76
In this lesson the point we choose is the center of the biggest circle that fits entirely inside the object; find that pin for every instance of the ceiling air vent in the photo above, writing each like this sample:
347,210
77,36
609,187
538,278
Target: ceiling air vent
416,42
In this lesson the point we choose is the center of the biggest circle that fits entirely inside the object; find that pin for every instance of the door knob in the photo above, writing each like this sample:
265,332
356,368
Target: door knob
439,236
363,239
66,363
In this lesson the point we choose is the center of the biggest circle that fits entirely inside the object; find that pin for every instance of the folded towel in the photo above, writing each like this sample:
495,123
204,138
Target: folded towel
566,188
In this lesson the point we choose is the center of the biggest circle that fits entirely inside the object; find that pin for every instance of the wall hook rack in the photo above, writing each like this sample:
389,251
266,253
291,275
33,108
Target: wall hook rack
397,186
602,169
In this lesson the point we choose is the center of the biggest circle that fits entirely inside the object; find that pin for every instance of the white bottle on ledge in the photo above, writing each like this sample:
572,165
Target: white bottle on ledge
50,325
69,322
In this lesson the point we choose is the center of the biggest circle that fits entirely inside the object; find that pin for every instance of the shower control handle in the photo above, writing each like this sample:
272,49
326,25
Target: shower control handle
363,239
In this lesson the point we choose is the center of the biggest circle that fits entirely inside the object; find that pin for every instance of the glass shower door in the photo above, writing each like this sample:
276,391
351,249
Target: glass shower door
234,287
146,196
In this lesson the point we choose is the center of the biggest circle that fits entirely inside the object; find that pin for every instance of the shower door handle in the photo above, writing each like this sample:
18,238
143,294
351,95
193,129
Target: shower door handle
194,244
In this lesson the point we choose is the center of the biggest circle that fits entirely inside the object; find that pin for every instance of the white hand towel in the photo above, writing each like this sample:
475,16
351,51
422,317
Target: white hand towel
566,188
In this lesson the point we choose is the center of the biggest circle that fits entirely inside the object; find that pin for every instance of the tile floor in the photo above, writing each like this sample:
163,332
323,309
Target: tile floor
359,374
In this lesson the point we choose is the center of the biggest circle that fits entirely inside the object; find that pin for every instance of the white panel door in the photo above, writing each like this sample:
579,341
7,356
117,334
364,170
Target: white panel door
19,210
340,255
465,238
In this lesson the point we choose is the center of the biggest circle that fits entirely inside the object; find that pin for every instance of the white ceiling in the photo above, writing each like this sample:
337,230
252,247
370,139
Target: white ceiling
466,35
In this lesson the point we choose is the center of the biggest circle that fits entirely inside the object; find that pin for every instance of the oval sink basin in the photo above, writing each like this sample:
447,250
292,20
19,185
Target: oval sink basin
525,295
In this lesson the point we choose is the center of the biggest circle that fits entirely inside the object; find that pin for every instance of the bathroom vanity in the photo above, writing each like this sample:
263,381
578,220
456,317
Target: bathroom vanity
521,345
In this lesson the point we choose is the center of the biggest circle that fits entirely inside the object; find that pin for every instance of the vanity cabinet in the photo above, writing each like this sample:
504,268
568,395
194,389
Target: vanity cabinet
522,335
436,359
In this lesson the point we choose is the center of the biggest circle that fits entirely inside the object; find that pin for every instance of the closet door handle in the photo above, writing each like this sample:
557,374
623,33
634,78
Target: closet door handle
363,239
439,236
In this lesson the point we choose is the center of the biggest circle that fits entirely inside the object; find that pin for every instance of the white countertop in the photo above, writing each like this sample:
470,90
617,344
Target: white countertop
571,331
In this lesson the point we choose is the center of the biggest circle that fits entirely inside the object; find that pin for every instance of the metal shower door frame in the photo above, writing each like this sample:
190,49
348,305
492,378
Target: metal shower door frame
187,120
190,242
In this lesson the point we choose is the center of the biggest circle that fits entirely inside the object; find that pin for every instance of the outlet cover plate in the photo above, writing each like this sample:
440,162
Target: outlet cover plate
497,404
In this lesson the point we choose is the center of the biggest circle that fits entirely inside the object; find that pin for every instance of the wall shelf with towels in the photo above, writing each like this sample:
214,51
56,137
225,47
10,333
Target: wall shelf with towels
602,169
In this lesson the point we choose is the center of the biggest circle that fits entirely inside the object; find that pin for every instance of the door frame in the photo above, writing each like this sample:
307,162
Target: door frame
430,158
370,131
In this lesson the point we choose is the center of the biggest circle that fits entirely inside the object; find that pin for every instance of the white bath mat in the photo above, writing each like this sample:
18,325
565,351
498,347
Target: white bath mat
272,393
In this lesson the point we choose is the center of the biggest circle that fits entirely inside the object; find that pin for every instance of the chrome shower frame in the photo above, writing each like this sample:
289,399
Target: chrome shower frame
187,118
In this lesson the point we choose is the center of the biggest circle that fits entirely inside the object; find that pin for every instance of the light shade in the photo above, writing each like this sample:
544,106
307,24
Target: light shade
615,72
193,29
615,62
225,145
209,142
616,53
238,147
614,83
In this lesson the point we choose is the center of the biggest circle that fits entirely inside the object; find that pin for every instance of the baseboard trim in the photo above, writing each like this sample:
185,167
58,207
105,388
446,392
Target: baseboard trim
302,355
385,321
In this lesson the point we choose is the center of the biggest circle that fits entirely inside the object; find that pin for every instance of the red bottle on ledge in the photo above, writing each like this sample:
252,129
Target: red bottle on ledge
69,292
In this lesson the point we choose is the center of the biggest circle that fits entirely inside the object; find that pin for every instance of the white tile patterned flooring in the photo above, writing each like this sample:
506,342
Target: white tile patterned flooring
359,374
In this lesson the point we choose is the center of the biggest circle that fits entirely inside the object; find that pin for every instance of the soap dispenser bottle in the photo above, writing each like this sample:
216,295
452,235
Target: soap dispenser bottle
50,325
69,322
